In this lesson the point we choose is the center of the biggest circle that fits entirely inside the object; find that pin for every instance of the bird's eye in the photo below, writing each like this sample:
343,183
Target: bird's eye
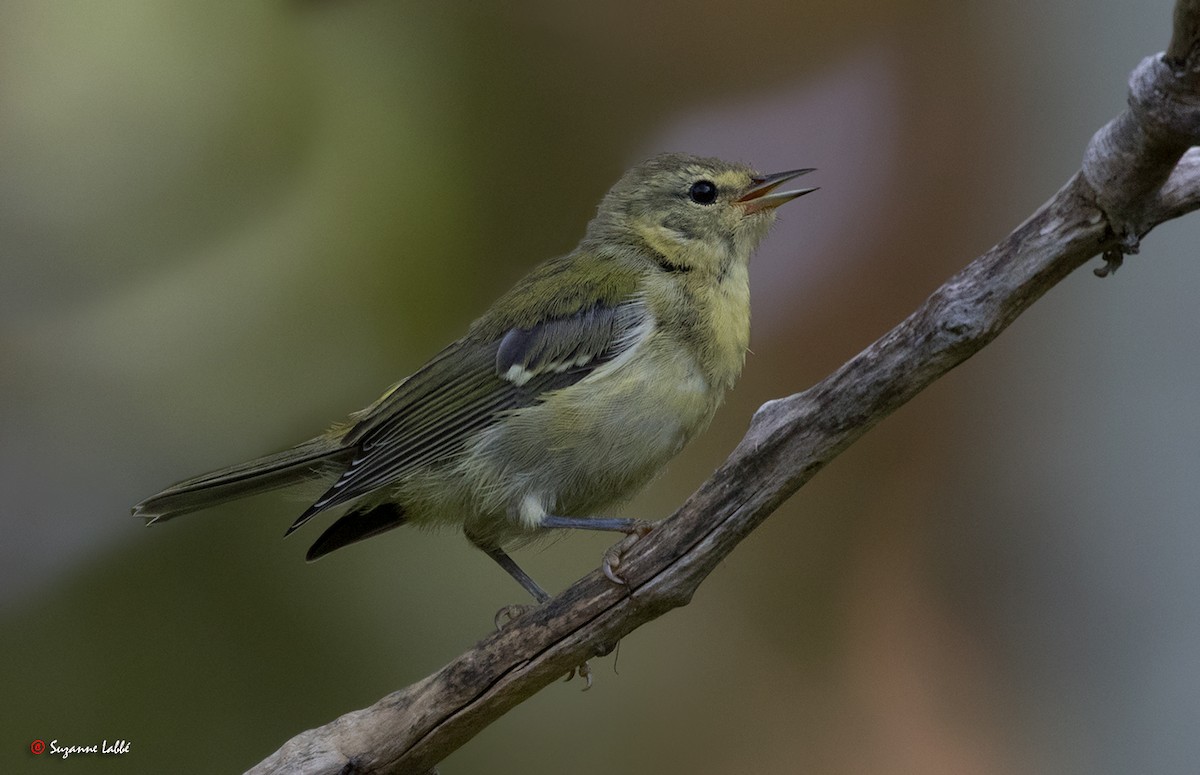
703,192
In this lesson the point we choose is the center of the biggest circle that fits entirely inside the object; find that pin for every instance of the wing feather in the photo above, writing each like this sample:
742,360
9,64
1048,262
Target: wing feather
431,416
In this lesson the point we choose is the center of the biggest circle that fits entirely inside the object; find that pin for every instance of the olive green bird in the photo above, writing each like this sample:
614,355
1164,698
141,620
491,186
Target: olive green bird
568,395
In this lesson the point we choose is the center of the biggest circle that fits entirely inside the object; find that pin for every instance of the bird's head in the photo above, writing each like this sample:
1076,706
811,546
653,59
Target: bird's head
698,213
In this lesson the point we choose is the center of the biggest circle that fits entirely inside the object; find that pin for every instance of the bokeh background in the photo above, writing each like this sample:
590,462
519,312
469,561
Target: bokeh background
226,225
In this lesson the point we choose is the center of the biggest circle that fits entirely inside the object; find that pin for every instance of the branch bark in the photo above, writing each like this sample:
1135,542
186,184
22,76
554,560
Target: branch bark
1138,171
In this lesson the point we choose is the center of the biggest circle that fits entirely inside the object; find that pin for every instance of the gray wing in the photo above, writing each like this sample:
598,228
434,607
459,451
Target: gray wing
432,415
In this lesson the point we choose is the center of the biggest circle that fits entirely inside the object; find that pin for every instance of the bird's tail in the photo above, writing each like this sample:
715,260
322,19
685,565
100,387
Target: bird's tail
291,466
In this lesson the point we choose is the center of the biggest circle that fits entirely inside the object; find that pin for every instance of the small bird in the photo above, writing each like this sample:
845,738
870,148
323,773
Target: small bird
568,395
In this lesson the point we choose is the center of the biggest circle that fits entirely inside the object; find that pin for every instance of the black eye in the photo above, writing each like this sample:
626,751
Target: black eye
703,192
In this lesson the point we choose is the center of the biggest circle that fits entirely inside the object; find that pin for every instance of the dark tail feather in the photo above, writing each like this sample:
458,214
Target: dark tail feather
357,526
261,475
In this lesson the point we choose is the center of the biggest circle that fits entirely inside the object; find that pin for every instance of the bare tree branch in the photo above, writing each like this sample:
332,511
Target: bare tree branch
1132,157
1137,173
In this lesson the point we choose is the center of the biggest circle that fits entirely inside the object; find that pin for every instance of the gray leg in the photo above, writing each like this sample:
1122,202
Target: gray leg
612,524
514,570
633,528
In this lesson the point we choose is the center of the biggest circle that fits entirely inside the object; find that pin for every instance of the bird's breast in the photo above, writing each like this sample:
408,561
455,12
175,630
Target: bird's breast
720,330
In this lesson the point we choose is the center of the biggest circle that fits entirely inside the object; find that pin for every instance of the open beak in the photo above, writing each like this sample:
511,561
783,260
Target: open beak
759,197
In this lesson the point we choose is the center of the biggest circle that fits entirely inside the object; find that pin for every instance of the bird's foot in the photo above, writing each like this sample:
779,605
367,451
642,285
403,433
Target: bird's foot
612,558
584,671
510,613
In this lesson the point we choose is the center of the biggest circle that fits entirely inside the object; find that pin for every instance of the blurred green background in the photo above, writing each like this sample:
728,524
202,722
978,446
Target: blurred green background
226,225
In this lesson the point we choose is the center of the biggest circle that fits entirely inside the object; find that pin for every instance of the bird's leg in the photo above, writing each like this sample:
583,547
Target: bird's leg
633,528
514,570
510,612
